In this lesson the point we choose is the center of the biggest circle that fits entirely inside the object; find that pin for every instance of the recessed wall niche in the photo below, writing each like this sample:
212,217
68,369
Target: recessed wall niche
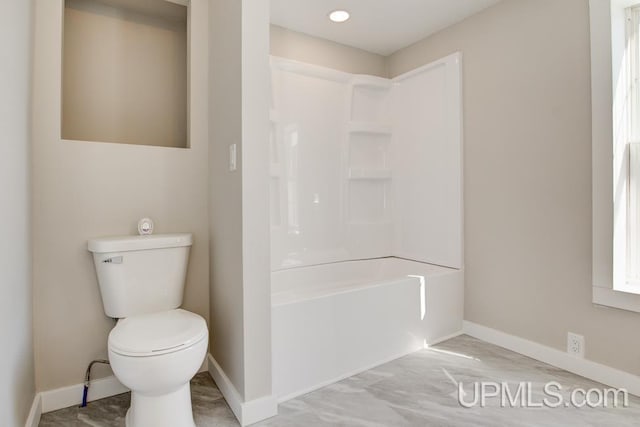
124,77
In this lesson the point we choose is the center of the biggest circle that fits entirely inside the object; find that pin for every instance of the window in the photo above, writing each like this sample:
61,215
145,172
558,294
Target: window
631,153
625,37
615,71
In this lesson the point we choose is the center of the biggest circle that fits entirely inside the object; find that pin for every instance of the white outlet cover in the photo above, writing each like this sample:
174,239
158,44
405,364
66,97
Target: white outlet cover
575,345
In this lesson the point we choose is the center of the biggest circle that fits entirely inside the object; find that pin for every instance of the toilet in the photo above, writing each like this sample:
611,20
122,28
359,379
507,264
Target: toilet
156,347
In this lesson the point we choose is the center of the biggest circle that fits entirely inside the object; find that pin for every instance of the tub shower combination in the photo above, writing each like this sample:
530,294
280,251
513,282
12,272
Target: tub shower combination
366,218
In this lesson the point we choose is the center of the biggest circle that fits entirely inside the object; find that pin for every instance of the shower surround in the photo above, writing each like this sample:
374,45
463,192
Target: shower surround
366,218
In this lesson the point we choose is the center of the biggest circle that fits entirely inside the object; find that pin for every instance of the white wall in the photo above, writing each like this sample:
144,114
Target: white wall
527,131
17,374
365,167
309,151
83,190
427,163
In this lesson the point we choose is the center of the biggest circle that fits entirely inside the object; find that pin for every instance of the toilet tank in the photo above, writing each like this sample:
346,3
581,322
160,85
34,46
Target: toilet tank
141,274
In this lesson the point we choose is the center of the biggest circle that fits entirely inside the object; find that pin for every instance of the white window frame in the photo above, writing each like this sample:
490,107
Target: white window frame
632,150
611,135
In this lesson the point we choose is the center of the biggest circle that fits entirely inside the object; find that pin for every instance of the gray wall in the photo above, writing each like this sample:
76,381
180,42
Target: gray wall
256,100
305,48
240,301
527,130
83,190
16,327
225,191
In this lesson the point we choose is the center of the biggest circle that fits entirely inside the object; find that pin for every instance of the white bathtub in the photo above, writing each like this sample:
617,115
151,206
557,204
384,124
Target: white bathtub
335,320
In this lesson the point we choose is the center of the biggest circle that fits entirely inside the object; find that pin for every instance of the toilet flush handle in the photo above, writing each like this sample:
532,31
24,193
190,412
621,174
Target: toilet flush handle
113,260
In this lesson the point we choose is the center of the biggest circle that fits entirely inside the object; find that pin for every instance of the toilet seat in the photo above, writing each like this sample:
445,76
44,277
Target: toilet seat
157,333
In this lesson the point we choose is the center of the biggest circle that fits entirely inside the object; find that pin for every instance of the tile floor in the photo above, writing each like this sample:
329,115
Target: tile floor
416,390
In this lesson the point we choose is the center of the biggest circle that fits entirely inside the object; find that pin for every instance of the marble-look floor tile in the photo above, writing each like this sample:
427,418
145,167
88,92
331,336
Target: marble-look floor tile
209,409
417,390
109,412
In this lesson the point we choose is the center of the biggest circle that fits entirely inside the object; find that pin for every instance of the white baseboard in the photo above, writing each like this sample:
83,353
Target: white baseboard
583,367
246,412
64,397
35,412
226,387
445,338
52,400
205,363
259,409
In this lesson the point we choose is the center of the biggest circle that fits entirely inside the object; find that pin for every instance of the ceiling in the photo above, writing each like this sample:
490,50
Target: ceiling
379,26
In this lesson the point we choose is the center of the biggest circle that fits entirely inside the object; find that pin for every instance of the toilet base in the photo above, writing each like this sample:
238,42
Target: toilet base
167,410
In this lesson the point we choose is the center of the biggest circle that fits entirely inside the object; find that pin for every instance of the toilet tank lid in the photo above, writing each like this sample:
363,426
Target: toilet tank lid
138,243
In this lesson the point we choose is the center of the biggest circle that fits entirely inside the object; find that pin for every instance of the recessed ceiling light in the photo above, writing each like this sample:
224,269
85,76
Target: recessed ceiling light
339,15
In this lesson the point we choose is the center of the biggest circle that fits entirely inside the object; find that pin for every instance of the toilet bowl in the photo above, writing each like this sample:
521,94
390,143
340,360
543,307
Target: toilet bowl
156,355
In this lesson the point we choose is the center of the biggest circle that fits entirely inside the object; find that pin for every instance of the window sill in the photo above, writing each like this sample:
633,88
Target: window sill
630,287
622,299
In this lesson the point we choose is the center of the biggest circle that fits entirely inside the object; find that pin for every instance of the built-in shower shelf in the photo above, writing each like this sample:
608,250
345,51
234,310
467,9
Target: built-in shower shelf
371,82
369,174
370,128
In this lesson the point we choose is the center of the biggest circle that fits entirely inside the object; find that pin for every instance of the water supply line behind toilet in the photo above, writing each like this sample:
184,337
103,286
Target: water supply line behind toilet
87,380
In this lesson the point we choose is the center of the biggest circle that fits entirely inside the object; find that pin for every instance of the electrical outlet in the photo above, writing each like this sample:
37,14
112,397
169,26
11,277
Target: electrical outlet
575,345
